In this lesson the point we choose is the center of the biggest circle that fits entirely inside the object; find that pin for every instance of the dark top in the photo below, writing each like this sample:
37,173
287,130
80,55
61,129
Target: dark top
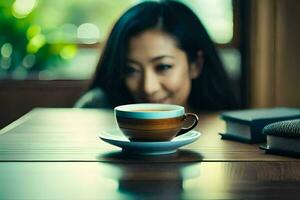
94,98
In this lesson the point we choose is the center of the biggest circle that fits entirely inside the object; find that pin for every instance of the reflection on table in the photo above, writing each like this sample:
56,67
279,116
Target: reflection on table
92,180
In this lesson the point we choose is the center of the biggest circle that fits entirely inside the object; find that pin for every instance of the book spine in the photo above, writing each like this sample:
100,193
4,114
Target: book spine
236,120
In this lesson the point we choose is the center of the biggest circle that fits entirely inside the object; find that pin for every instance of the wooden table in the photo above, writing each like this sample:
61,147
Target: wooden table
56,154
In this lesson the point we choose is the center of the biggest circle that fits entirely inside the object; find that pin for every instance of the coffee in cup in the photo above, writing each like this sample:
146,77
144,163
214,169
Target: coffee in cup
153,122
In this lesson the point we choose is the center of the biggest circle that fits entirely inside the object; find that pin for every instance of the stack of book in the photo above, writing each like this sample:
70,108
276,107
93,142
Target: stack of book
247,125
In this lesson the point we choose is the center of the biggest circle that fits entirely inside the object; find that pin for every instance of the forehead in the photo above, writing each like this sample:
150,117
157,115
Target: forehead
152,43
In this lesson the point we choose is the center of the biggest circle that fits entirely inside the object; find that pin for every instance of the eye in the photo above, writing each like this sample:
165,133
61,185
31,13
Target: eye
163,67
130,71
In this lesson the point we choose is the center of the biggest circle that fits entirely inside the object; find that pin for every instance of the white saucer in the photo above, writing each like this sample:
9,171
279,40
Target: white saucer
116,137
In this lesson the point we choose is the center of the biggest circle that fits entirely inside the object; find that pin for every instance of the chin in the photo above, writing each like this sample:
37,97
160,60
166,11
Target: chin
168,101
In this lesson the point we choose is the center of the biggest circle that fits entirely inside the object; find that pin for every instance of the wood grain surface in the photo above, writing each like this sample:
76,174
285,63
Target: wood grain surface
55,134
56,154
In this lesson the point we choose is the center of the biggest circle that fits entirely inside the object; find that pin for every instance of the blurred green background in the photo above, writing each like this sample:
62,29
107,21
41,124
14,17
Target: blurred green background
43,39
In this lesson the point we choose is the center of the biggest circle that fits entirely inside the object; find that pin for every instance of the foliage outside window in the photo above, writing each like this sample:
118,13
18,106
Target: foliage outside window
40,36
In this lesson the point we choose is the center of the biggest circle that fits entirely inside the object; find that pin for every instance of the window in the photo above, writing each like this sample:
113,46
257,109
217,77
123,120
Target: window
55,39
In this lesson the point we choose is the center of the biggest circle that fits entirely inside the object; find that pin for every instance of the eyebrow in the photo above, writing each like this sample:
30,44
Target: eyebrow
152,59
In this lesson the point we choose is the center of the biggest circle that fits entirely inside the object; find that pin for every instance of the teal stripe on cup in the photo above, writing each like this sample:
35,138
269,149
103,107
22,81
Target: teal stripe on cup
149,111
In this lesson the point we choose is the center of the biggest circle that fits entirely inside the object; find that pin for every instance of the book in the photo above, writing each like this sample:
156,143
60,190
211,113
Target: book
246,125
283,138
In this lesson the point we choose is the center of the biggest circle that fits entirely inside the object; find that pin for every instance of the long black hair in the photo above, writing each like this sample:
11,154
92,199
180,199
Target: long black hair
211,90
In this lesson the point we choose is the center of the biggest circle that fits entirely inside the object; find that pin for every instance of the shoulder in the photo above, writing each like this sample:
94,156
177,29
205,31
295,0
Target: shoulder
94,98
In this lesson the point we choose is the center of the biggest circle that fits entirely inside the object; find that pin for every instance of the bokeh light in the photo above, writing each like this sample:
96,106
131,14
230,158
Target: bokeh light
22,8
68,52
5,63
88,33
36,43
6,50
33,30
216,16
28,61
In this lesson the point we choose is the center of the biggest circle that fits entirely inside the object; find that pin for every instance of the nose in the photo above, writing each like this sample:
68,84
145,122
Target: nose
151,83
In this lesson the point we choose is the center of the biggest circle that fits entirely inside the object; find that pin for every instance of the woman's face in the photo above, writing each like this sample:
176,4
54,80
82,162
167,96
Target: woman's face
157,70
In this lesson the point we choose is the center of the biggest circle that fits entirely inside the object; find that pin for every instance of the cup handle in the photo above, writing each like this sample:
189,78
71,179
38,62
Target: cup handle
184,130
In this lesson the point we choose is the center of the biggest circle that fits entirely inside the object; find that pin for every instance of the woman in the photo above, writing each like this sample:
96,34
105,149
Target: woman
160,52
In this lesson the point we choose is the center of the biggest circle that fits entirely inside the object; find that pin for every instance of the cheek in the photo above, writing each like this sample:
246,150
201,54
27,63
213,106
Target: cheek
178,81
180,87
132,84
